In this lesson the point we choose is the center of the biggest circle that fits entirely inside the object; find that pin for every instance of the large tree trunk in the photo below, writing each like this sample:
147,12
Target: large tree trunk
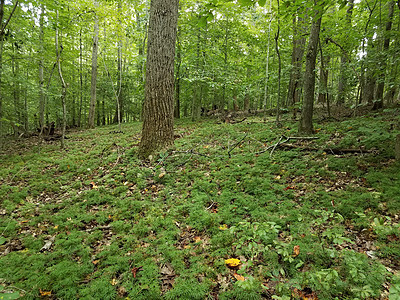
158,114
344,60
305,123
383,61
92,108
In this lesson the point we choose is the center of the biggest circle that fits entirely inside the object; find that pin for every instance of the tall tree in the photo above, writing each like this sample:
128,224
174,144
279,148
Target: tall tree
92,109
119,101
299,40
344,59
158,114
383,60
3,26
305,123
41,68
64,86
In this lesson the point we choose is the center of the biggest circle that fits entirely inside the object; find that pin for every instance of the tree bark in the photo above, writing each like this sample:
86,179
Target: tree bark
64,86
120,98
294,89
383,61
196,100
397,148
1,95
177,107
3,26
305,123
16,90
92,108
41,66
278,102
158,114
344,60
323,78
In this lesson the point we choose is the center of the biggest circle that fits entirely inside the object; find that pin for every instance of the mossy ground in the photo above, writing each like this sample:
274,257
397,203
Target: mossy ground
95,222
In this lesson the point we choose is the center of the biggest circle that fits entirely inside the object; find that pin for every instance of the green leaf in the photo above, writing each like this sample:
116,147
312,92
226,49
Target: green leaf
246,2
5,295
202,21
3,240
262,2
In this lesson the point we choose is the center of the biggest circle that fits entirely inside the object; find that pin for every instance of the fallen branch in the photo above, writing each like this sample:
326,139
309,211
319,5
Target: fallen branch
237,144
286,139
327,150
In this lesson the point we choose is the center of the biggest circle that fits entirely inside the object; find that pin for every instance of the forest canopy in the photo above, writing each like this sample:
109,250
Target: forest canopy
230,55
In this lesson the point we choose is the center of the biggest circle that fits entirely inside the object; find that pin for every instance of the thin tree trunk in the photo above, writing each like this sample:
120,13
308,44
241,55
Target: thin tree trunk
92,109
223,98
294,88
80,78
246,102
305,123
344,60
278,102
119,106
1,94
323,78
64,87
41,75
266,96
3,26
16,90
383,62
177,107
196,100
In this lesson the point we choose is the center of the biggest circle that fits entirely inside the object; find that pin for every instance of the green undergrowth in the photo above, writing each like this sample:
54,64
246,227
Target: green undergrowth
95,222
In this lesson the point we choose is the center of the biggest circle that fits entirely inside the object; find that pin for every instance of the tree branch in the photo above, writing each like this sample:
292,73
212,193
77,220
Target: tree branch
9,18
345,53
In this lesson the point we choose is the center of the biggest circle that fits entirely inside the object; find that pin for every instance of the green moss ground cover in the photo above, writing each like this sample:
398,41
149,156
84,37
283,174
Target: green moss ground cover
95,222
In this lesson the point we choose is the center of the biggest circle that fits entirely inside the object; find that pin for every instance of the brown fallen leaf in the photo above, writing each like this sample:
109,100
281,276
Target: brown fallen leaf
239,277
296,251
134,270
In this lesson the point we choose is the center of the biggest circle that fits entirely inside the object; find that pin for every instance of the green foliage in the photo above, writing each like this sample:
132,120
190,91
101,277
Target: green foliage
187,289
207,208
254,238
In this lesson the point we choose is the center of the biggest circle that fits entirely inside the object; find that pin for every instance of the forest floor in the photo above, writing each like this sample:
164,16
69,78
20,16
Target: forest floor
231,212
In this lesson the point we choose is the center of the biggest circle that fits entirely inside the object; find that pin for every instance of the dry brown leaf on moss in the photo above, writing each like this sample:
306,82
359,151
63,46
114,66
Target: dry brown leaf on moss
296,251
239,277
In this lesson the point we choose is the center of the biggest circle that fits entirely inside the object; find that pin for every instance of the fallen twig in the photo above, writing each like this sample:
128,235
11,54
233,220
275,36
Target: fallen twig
286,139
229,152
